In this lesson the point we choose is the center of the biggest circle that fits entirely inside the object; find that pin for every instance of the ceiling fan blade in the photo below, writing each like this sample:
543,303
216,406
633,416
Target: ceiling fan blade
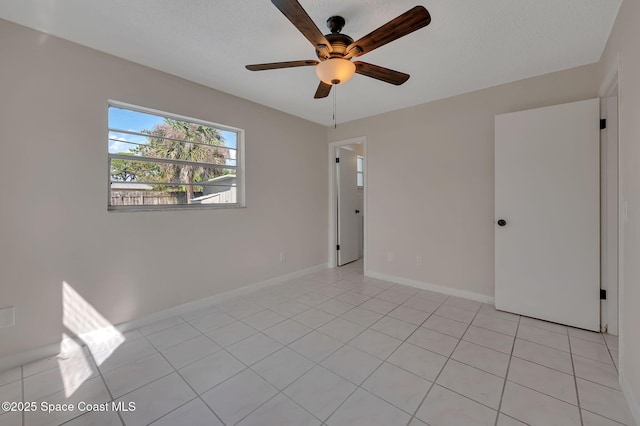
301,20
408,22
323,90
381,73
276,65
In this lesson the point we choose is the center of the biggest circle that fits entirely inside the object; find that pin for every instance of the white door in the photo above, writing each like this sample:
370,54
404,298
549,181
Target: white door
347,206
547,173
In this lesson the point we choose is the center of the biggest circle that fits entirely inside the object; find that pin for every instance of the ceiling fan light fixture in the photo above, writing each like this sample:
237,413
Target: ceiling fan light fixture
335,70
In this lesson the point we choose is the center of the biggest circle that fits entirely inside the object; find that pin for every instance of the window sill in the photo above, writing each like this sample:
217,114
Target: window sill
120,209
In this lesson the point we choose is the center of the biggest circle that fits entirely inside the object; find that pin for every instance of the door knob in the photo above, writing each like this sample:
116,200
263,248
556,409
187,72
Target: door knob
502,222
357,211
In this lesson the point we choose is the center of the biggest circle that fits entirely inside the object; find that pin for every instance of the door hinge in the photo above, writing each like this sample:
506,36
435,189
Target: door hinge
337,160
338,247
603,294
603,123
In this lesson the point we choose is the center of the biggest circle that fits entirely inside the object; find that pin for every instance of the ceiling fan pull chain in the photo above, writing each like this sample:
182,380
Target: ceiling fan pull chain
335,89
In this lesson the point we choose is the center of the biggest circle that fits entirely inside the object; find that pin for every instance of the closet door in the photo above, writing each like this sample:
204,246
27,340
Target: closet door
547,207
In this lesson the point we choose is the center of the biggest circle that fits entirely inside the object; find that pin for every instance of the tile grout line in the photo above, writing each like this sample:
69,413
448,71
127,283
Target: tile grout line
506,374
179,407
280,392
573,375
198,396
376,369
487,347
139,387
249,366
556,369
343,344
412,373
359,386
317,364
612,358
165,375
104,382
575,381
169,347
542,344
433,383
536,323
83,349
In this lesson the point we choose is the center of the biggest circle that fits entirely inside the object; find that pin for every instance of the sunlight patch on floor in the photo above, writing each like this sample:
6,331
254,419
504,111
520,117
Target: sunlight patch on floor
74,365
85,323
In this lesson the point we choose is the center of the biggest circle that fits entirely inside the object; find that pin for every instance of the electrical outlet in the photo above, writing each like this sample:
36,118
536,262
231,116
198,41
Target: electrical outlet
390,256
7,317
283,256
418,260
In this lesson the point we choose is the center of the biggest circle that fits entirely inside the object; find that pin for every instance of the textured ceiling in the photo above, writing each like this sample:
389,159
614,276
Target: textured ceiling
469,45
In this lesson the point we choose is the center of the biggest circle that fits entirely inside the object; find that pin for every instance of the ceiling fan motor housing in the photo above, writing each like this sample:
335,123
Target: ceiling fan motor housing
339,43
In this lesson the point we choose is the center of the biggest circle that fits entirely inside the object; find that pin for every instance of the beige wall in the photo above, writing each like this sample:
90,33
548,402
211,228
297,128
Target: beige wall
623,43
430,179
54,224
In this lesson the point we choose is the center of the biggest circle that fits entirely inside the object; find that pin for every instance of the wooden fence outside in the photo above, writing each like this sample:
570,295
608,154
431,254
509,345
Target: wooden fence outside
146,198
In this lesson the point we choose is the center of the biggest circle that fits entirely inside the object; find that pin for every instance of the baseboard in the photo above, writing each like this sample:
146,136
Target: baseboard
31,355
52,349
217,298
633,400
449,291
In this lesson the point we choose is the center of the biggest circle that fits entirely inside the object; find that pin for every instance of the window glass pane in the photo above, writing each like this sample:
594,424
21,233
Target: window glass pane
221,189
162,172
213,151
169,161
360,169
142,122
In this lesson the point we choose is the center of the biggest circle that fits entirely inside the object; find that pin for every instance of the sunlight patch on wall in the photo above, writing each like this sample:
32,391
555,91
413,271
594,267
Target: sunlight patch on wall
82,319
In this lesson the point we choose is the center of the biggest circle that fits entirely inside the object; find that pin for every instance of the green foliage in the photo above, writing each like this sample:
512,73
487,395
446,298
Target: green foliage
132,171
163,144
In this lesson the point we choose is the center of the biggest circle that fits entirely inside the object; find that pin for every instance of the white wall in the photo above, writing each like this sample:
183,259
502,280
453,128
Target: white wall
431,180
623,44
54,224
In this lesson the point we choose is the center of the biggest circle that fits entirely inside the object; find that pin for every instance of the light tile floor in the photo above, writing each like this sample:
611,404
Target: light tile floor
335,348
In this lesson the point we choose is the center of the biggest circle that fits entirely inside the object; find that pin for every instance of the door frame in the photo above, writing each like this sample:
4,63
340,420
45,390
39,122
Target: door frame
615,300
333,199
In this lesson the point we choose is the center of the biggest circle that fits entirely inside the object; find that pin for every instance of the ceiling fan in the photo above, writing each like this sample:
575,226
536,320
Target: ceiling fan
335,50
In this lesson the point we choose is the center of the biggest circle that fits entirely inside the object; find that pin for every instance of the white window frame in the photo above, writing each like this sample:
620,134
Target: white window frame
239,167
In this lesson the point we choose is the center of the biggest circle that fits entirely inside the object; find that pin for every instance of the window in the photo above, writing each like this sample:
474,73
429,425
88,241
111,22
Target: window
360,169
163,161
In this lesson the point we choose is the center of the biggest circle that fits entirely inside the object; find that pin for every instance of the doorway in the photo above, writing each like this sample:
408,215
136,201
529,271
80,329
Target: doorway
347,202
